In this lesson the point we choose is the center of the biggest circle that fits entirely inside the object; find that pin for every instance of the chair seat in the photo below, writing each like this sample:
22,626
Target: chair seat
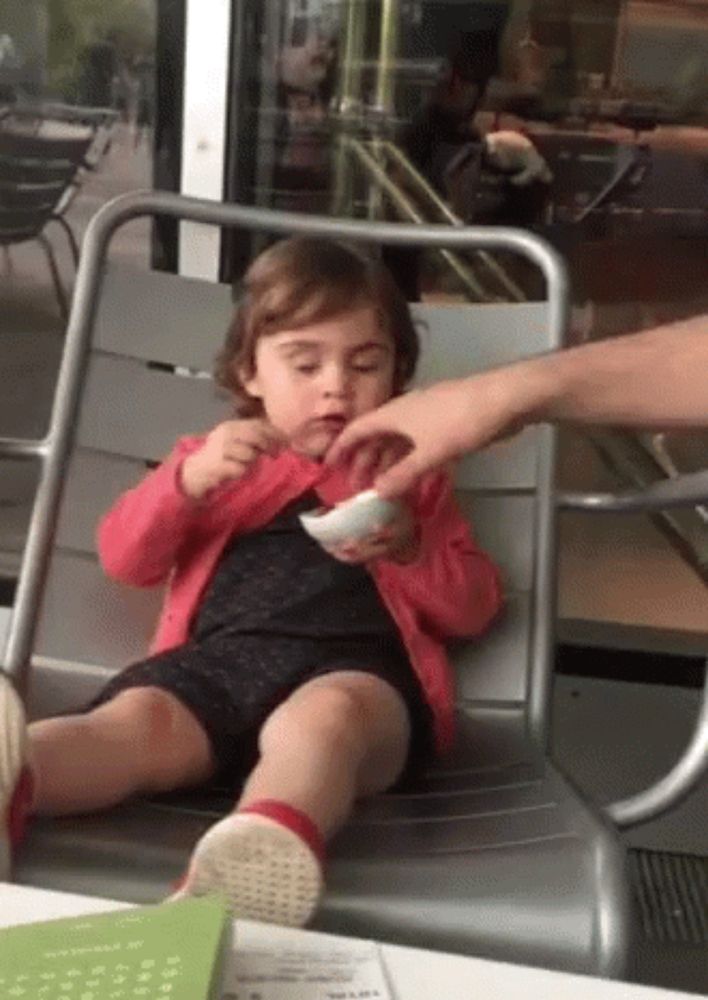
473,854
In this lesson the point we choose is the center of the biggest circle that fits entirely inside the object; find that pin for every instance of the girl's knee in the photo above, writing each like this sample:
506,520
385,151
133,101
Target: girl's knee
148,713
174,747
328,714
350,711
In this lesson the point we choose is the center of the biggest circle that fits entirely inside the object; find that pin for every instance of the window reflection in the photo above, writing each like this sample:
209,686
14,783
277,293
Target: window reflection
584,120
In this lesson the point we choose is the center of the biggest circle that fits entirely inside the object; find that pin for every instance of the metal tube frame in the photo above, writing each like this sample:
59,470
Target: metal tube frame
675,786
686,490
689,489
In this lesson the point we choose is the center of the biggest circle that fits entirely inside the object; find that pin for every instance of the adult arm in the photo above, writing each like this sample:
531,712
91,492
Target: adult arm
658,378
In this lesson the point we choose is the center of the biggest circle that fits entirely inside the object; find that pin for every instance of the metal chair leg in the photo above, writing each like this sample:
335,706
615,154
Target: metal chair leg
73,242
58,287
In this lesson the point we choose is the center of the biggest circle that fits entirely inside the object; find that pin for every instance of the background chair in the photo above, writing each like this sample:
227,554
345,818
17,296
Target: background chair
39,176
494,852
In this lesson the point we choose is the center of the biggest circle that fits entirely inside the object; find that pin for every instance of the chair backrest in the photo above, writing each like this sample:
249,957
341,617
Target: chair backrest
153,333
35,171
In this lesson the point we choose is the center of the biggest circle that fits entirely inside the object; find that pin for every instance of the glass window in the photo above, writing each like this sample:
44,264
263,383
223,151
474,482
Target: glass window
584,120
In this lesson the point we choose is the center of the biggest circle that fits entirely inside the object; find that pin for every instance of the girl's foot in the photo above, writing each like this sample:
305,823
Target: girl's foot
265,861
15,777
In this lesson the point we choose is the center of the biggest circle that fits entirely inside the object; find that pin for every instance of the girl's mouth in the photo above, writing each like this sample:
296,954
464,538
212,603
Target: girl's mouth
333,422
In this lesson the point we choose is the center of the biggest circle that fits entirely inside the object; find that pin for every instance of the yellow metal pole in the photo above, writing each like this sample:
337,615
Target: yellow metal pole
388,53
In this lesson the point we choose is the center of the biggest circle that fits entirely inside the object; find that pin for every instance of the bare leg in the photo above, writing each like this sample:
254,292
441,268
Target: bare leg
337,738
144,740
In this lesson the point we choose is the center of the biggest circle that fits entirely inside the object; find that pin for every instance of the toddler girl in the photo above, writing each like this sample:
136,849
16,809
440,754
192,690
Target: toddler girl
314,676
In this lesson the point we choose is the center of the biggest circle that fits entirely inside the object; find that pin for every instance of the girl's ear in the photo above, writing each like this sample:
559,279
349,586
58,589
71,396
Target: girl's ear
250,382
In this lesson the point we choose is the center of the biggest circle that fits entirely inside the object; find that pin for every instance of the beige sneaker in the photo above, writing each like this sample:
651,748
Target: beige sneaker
15,779
263,870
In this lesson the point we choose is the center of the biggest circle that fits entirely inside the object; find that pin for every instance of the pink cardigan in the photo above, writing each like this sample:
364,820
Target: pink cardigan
155,534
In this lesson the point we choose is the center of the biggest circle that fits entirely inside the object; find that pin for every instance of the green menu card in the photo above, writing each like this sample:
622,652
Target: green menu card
173,951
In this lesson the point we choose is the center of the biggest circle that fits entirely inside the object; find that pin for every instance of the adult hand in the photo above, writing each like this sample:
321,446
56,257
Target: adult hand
425,428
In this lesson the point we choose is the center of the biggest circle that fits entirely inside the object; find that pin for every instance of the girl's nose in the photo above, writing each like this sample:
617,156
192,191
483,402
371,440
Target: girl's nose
336,382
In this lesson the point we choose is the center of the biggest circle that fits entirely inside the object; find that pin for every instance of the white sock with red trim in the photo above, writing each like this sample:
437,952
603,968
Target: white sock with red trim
267,862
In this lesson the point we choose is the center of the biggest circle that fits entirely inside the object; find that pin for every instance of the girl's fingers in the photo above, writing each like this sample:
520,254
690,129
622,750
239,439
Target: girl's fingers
259,434
240,451
342,554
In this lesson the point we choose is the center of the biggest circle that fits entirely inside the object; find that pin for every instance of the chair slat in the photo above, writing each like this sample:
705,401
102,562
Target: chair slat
94,482
87,618
505,465
493,668
162,317
504,527
132,410
458,340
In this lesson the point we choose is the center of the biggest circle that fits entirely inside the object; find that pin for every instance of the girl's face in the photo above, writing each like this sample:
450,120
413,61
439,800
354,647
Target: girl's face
312,381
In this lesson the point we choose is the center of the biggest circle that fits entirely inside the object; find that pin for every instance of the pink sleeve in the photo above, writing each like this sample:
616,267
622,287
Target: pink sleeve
453,585
140,536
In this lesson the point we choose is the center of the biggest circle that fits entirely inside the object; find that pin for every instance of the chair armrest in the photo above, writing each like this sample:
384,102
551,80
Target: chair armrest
22,448
687,490
673,788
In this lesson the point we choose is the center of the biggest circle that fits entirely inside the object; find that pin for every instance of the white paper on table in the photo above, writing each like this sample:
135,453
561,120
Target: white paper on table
332,972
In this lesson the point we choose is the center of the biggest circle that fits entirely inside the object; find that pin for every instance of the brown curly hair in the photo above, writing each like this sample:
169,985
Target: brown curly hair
305,280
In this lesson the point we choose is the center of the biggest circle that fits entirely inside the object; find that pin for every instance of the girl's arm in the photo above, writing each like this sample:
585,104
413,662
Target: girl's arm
453,585
140,536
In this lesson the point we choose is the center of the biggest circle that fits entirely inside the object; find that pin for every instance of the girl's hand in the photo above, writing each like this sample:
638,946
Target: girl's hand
227,454
397,540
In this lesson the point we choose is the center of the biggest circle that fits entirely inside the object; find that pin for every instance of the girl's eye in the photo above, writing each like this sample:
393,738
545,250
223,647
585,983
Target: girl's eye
366,368
306,369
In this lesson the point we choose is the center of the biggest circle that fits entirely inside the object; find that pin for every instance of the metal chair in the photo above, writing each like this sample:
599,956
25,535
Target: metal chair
494,852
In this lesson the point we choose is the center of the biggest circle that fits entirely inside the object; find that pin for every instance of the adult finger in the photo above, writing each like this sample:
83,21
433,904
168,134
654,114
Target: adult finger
364,462
389,455
397,480
361,431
